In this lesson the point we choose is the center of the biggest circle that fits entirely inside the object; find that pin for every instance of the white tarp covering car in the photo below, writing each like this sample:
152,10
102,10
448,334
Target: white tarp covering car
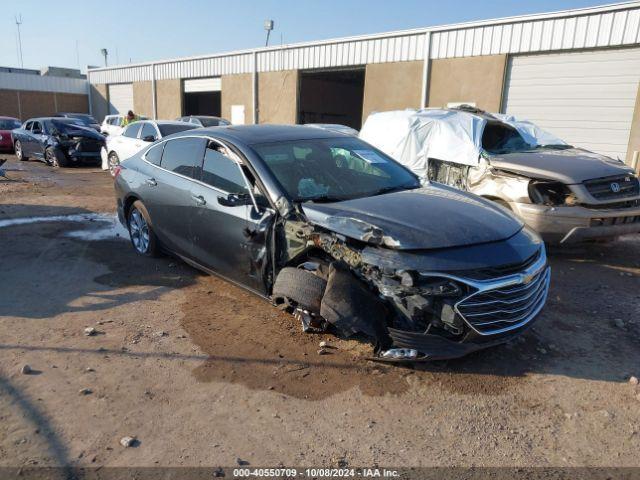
565,193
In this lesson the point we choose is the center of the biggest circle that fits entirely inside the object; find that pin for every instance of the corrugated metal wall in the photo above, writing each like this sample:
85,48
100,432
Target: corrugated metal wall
38,83
615,25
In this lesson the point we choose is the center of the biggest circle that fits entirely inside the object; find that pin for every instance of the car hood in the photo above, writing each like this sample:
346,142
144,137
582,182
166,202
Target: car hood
570,166
430,217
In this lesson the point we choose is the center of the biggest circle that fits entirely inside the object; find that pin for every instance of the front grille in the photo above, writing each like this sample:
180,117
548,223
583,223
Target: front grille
501,270
612,221
87,145
495,310
613,188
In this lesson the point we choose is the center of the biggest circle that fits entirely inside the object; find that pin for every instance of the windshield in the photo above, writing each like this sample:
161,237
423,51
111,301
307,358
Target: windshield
169,129
499,138
6,124
333,169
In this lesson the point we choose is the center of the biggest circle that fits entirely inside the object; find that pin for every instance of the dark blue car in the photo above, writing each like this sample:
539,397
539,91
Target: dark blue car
60,142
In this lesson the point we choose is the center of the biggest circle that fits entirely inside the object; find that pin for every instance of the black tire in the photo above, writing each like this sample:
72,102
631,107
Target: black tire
300,286
113,161
17,148
55,158
148,246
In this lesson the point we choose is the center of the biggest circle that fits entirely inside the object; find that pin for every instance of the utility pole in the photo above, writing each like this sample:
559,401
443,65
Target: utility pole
18,19
105,54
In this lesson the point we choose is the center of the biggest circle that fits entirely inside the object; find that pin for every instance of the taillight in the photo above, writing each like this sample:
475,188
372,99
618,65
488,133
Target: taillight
117,171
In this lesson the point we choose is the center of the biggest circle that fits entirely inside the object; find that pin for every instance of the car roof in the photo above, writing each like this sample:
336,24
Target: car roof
2,117
255,134
162,122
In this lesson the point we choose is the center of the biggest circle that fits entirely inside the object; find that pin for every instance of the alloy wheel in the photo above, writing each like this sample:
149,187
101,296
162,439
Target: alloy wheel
114,161
18,149
139,231
50,158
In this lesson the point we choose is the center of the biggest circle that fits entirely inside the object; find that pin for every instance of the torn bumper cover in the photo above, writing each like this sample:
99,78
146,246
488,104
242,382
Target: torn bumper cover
568,224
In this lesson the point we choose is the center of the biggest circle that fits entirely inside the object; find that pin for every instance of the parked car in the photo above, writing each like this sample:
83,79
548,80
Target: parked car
112,124
83,119
135,137
204,121
334,127
567,194
340,234
7,124
60,142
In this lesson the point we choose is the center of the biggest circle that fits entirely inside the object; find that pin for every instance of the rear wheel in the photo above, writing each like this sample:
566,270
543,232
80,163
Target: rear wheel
114,161
141,232
19,152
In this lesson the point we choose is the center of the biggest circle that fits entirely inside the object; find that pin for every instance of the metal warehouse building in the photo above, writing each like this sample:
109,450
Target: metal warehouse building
575,73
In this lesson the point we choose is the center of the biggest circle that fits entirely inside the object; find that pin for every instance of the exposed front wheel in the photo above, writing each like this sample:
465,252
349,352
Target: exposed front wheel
142,236
114,161
19,152
53,158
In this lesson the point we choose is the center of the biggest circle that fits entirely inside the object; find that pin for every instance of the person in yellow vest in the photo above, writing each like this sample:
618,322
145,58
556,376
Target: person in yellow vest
130,118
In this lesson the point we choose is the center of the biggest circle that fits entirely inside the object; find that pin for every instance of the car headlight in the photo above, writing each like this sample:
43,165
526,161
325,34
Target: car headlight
550,193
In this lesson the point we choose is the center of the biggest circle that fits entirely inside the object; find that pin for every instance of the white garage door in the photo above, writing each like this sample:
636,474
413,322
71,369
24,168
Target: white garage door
212,84
120,98
585,98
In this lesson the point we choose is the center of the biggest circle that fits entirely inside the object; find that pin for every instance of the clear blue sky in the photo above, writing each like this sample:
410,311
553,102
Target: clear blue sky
142,30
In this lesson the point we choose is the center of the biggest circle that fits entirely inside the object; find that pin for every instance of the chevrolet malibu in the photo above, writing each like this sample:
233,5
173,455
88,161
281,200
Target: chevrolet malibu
339,234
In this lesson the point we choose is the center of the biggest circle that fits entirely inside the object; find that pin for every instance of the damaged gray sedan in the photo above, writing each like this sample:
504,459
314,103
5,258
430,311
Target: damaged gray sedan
564,193
339,234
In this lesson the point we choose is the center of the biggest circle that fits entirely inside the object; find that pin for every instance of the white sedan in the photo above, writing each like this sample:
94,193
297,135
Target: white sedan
135,137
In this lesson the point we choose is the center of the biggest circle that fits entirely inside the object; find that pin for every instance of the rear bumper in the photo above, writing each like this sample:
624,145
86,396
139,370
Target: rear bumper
576,223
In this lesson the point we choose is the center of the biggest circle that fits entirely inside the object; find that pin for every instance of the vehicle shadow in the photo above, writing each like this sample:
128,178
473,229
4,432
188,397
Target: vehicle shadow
46,273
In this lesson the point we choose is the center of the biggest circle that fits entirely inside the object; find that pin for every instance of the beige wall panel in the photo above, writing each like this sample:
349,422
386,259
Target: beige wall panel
392,86
99,101
237,90
634,135
143,99
278,97
169,98
469,79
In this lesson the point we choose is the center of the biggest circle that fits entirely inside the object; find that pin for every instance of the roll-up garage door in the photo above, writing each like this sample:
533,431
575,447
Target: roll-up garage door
120,98
202,85
585,98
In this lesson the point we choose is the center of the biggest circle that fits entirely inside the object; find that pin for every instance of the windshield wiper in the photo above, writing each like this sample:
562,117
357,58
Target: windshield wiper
556,146
322,198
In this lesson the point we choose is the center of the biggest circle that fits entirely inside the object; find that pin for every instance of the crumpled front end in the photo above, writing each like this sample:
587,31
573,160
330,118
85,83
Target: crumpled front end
430,304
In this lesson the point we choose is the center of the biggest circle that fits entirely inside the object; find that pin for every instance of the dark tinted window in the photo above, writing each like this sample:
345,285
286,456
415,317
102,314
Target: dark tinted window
154,154
6,124
37,127
169,129
221,172
131,131
148,130
183,154
28,125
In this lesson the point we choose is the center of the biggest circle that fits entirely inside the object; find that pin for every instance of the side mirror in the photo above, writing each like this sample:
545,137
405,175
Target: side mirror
149,138
235,200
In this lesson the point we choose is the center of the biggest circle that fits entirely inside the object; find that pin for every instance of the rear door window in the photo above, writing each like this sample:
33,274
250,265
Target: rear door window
132,130
148,130
154,154
183,155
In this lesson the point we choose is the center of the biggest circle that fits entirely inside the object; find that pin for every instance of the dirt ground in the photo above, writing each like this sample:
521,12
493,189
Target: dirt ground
203,373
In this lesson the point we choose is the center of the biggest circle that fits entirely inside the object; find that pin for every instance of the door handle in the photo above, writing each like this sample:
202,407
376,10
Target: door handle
199,200
151,182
